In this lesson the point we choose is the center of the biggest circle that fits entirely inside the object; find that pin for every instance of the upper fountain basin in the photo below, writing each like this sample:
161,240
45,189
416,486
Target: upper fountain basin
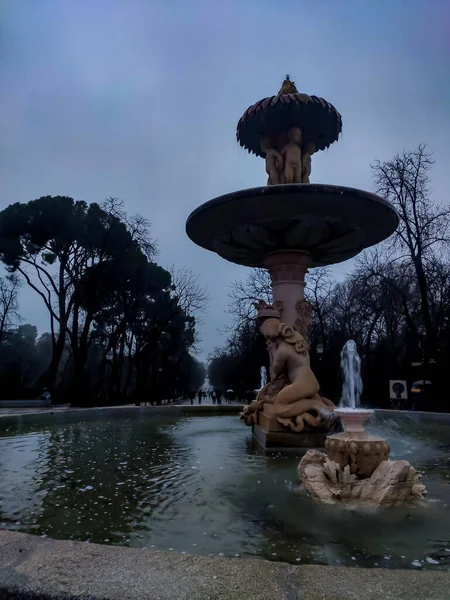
332,223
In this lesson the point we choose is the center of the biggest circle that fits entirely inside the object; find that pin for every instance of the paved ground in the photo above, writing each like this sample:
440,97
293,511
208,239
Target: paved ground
209,402
45,569
62,407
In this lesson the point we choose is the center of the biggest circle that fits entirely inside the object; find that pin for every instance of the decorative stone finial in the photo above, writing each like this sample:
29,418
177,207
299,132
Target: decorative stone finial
288,87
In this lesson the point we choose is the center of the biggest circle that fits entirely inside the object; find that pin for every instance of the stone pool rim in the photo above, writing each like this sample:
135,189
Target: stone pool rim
55,415
46,569
36,568
69,415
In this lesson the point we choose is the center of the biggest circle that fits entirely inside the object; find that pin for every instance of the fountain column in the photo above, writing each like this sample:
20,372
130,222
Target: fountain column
287,270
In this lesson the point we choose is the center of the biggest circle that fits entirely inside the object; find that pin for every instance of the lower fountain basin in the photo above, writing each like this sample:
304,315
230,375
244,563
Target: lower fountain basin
198,484
332,223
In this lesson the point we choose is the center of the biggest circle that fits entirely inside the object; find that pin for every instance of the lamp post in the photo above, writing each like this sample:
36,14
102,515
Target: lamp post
319,352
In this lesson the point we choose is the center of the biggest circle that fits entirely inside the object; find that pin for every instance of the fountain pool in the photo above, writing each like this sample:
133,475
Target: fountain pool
200,485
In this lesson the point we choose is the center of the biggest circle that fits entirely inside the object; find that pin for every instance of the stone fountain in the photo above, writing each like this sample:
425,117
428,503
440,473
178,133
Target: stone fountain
289,226
356,465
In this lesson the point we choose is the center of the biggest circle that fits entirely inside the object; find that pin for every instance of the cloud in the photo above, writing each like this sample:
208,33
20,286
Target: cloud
140,99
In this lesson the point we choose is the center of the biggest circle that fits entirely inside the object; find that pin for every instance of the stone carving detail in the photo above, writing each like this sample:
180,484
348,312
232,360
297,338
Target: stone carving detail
293,390
392,482
278,305
286,130
288,160
287,273
361,453
304,310
331,239
320,118
288,87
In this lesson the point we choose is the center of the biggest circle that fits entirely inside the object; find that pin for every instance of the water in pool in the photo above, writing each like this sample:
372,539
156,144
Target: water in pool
200,485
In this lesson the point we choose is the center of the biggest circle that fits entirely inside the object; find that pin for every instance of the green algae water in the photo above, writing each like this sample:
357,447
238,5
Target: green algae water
200,485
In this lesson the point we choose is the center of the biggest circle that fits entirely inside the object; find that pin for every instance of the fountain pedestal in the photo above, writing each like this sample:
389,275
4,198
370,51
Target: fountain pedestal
287,269
355,448
271,434
361,452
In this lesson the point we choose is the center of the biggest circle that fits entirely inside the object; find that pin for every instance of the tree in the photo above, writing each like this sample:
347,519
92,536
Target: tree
9,294
256,286
424,227
52,242
192,297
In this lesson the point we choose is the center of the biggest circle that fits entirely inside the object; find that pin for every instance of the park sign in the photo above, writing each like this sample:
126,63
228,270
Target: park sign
397,389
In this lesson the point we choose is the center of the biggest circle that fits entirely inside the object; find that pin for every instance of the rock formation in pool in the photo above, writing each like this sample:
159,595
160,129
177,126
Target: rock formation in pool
356,467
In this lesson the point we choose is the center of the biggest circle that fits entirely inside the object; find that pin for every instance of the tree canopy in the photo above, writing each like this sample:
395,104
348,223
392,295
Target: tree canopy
117,320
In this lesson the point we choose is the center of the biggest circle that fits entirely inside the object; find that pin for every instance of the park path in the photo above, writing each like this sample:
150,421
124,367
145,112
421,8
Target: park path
208,402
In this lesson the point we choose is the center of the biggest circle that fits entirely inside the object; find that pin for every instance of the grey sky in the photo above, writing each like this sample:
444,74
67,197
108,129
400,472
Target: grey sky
140,99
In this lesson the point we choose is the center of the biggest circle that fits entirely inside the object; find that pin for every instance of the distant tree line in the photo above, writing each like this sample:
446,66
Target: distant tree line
121,326
395,303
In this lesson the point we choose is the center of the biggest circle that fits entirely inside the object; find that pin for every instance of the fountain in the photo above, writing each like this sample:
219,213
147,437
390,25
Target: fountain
289,226
352,417
263,377
356,465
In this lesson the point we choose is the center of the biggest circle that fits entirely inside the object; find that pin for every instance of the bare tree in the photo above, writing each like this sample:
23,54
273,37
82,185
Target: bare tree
256,286
9,294
424,228
192,297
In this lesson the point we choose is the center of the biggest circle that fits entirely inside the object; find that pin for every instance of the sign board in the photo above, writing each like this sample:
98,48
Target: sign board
398,389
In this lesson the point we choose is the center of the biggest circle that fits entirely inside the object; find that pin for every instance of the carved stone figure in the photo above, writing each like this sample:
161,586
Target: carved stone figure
293,156
307,150
274,162
288,87
297,404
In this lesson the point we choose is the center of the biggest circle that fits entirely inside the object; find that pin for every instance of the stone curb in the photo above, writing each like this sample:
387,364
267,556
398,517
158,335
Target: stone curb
33,568
88,414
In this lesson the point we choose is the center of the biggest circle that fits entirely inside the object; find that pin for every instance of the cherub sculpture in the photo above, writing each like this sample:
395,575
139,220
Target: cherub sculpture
297,403
293,156
274,162
308,149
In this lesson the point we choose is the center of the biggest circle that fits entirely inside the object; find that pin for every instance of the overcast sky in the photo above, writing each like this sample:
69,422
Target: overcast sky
140,99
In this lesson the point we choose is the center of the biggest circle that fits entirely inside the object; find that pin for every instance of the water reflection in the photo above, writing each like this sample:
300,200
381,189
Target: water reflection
199,485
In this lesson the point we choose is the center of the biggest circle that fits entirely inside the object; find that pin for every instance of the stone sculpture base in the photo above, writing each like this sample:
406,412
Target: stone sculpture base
392,482
271,435
285,440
